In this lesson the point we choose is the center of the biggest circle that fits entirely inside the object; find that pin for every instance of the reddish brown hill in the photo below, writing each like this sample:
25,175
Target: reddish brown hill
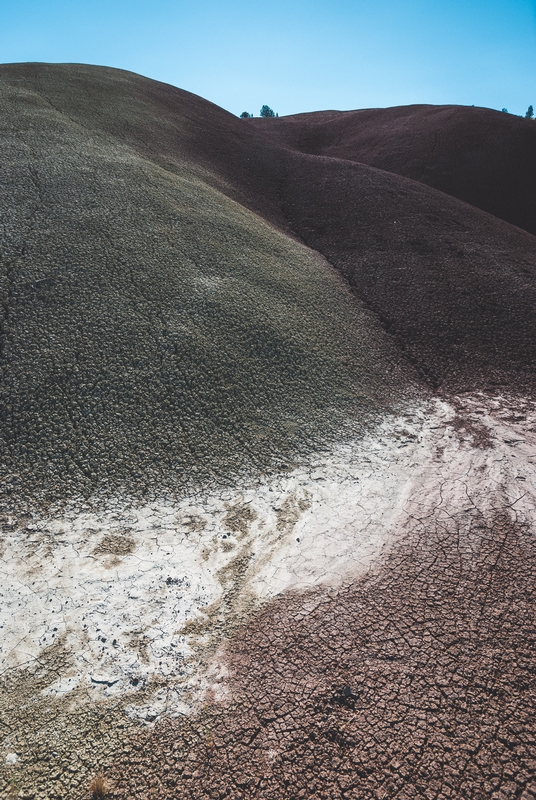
454,286
484,157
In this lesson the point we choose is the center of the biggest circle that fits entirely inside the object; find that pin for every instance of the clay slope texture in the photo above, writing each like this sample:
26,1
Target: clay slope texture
159,307
268,455
155,332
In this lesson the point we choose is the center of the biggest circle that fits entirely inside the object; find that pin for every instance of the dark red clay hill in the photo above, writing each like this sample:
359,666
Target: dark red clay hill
485,157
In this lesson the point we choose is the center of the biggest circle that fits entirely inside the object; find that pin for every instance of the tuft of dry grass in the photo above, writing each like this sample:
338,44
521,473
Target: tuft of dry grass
98,788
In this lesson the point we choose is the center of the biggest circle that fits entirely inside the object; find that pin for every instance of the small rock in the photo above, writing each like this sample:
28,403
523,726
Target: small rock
12,758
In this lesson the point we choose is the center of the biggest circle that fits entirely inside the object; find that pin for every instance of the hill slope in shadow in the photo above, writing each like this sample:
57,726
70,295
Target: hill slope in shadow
484,157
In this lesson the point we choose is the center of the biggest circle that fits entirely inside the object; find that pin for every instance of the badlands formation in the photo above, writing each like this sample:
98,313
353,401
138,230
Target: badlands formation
268,447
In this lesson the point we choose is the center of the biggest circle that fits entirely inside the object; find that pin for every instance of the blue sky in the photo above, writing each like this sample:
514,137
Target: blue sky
295,55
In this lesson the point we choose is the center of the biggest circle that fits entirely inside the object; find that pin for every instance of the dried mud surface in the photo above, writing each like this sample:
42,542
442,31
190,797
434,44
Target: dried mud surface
268,448
381,644
436,654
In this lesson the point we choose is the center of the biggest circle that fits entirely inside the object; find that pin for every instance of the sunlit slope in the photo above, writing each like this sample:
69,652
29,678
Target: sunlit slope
168,125
156,335
484,157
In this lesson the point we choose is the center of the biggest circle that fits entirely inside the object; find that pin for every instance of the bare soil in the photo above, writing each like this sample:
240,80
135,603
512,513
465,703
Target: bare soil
194,307
418,680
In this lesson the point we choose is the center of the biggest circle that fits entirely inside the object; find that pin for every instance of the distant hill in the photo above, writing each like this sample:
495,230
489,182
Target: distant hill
485,157
176,281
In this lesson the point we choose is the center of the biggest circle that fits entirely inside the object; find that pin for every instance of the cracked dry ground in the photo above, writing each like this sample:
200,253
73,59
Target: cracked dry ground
192,303
437,649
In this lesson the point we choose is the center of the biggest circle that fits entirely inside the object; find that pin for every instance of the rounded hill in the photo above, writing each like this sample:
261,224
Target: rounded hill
486,158
156,334
171,309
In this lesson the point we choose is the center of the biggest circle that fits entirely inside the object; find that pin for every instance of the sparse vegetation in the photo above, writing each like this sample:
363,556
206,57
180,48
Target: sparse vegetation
529,114
266,111
245,115
98,788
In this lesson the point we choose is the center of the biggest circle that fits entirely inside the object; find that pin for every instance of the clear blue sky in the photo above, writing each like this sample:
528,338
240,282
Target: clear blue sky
295,55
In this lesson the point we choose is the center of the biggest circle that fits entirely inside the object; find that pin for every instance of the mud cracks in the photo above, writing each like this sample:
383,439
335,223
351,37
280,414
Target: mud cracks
392,656
437,650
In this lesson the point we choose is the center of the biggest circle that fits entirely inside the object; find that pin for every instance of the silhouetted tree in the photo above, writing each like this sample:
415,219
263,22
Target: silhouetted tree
504,110
245,115
530,113
266,111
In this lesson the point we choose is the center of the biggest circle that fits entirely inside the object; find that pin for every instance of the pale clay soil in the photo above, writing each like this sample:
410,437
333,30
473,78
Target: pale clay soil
121,618
139,598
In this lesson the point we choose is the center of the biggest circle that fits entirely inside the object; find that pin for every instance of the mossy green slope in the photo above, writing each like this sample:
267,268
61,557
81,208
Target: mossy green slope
156,335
